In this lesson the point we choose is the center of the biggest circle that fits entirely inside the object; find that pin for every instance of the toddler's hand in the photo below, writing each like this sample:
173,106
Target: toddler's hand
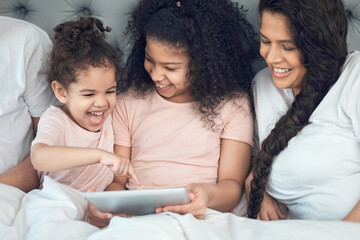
131,174
120,165
98,218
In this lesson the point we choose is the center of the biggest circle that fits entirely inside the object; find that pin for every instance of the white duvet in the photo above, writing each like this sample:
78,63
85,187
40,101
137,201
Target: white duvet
58,212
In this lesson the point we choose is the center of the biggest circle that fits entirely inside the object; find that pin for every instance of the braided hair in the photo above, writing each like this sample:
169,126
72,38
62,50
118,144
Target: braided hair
79,44
319,29
214,34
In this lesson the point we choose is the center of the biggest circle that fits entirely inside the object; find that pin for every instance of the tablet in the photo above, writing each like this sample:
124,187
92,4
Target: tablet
137,202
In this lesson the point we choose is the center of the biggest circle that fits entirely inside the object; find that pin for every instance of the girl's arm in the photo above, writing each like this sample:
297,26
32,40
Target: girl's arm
56,158
233,168
225,195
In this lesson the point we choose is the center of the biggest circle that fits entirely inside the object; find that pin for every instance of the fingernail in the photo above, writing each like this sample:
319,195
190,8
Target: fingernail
109,216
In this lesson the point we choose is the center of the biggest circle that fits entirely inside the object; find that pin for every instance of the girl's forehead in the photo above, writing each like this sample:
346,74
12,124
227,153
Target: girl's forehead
165,45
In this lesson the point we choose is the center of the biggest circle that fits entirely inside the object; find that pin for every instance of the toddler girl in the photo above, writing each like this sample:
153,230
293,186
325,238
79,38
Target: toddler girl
74,142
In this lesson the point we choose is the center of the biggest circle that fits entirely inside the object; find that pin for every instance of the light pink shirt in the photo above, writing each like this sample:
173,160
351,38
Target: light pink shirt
57,129
170,147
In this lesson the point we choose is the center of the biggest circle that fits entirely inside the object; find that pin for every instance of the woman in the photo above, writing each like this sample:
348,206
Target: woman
307,106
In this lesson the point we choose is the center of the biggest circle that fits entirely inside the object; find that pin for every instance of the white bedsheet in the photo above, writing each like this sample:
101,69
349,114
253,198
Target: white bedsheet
58,212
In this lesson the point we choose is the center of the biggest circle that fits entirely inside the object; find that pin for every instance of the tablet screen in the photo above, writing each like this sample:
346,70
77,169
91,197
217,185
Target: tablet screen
137,202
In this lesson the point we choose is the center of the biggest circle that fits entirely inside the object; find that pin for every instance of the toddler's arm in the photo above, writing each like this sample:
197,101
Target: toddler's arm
57,158
102,219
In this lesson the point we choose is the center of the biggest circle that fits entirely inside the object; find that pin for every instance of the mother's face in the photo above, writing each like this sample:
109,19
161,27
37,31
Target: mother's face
280,52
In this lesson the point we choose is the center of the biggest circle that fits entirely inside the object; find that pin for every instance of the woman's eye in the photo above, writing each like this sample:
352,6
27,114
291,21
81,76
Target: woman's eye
288,48
265,41
147,59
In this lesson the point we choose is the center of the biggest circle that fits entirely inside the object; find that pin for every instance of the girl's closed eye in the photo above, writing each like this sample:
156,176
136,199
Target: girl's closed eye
170,69
111,92
88,95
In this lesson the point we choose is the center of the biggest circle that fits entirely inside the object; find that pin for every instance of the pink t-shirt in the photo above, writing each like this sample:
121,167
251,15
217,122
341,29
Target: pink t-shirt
57,129
170,147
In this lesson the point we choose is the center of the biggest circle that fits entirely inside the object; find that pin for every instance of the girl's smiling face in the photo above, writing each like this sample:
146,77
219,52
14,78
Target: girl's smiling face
168,68
91,99
280,53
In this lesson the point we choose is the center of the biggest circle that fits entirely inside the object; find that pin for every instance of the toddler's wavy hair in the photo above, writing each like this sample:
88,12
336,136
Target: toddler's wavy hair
79,44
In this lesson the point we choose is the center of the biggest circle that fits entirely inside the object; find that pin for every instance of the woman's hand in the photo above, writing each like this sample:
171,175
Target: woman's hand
270,209
197,205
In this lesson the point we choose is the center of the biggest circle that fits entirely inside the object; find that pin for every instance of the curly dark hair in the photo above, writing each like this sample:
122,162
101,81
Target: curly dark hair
79,44
216,36
319,29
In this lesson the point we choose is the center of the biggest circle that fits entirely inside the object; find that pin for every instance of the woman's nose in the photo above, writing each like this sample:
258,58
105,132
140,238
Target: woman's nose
274,55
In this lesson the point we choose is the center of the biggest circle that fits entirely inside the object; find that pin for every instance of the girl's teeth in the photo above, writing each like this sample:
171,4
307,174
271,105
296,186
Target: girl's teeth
98,114
161,86
282,70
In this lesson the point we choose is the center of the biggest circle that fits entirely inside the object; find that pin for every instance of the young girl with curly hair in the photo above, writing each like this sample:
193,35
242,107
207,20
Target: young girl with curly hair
74,142
307,113
184,116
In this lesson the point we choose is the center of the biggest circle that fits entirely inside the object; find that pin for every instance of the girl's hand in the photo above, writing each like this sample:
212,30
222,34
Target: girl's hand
120,165
197,205
270,209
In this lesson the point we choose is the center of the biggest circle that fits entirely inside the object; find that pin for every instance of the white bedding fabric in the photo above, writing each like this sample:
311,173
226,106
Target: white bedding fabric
58,212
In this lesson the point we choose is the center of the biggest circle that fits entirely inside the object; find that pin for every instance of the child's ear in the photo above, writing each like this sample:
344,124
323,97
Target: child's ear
59,91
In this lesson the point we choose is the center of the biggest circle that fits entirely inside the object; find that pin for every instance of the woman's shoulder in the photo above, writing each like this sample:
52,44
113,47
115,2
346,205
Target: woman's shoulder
350,74
352,61
264,88
263,79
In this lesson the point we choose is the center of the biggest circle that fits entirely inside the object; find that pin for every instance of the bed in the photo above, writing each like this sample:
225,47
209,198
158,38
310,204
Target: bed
59,212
